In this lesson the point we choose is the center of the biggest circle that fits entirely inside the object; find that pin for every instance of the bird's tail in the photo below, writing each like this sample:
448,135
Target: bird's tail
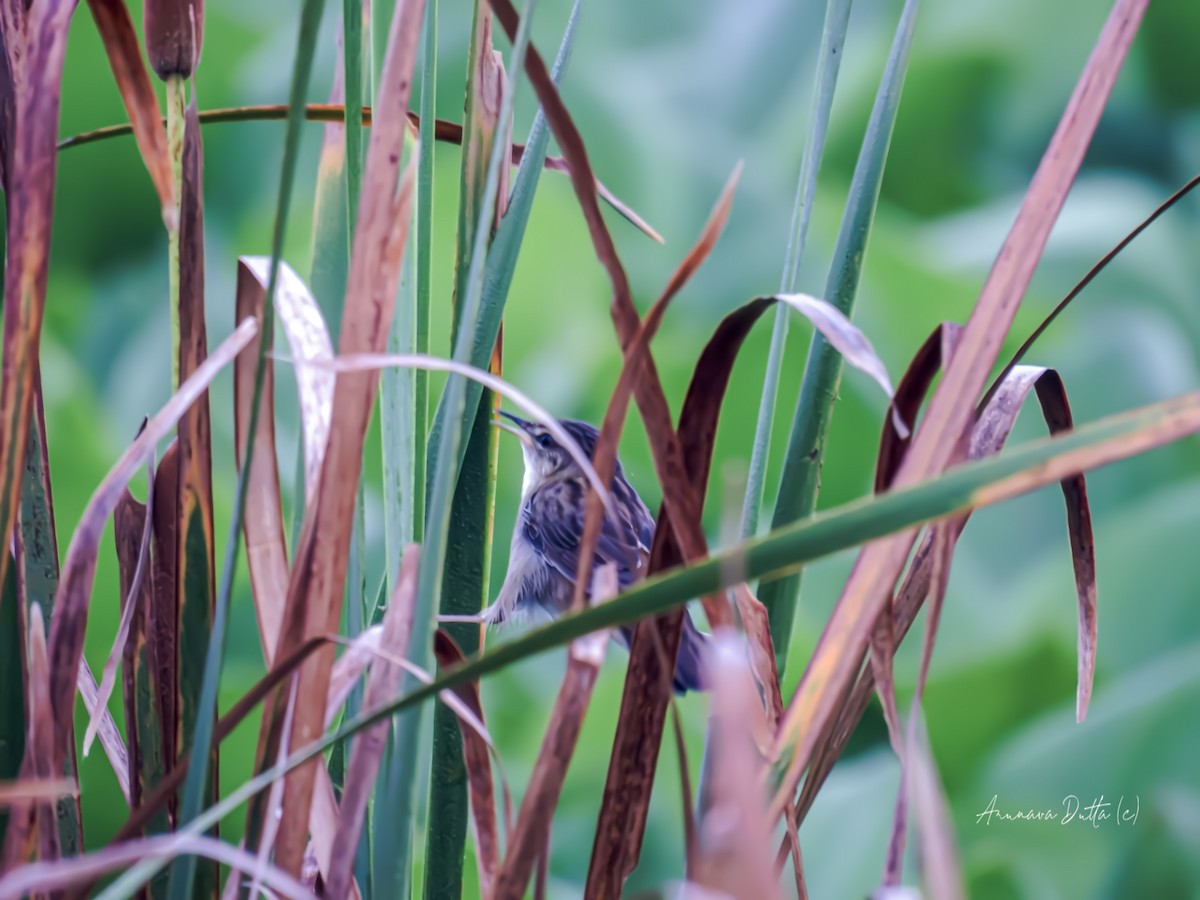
689,664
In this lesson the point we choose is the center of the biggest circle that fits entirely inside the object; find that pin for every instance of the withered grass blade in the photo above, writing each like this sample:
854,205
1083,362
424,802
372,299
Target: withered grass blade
637,352
164,611
308,337
137,93
262,523
941,870
829,674
367,749
84,870
911,392
110,737
373,362
530,835
12,792
1087,279
133,559
36,544
680,503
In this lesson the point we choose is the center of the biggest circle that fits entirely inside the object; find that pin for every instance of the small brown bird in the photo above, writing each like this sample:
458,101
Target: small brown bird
544,557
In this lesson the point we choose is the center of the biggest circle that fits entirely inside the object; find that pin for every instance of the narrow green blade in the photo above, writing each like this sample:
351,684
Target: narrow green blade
800,481
829,59
39,568
467,569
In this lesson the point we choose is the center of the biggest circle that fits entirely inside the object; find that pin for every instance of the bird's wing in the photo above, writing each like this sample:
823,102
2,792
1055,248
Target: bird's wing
552,520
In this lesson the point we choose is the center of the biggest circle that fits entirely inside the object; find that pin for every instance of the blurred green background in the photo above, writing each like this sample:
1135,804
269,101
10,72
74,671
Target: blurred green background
669,96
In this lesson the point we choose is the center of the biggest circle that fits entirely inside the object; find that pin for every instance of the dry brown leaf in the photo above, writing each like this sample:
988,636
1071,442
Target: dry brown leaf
137,93
530,837
315,590
262,521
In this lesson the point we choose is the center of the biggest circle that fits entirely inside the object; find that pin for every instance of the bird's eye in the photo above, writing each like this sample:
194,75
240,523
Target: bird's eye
544,440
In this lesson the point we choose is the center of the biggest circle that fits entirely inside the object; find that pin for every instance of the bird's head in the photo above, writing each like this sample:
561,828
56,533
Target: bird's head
545,458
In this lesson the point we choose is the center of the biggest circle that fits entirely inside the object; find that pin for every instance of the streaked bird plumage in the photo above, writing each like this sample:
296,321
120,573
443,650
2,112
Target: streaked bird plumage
544,557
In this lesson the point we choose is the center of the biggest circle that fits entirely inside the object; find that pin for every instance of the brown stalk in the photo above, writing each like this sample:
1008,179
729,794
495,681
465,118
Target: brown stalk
137,93
318,574
130,533
530,837
366,751
194,545
938,851
680,501
443,130
655,644
832,666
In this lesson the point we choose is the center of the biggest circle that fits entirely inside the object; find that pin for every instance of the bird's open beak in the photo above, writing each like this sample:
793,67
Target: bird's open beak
518,427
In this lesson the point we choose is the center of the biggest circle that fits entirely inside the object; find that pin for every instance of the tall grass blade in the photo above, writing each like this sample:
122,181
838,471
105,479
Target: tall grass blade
12,690
506,243
478,218
829,60
800,479
424,262
468,553
35,38
143,723
195,563
37,545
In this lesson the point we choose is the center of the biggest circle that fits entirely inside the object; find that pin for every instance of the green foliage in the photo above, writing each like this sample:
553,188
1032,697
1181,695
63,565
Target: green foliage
664,114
